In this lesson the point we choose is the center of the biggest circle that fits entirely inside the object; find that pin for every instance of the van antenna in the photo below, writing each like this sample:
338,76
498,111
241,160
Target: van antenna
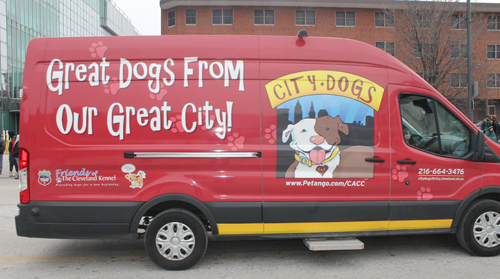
300,40
302,33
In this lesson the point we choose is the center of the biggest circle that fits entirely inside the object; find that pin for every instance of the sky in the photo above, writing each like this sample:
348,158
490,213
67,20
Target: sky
146,15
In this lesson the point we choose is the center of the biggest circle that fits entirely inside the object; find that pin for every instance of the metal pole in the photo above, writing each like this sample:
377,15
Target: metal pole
469,61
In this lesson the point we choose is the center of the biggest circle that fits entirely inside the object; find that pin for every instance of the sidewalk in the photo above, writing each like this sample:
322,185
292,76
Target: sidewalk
5,168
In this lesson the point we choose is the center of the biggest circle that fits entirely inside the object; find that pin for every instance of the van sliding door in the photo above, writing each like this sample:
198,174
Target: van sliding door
325,143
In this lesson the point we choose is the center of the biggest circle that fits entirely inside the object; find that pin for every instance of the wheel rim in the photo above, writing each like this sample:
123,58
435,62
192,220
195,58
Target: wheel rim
487,229
175,241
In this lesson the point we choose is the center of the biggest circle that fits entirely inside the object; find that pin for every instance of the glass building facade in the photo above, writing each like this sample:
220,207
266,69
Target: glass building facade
23,20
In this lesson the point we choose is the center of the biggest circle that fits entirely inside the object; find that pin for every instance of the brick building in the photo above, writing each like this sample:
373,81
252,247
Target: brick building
363,20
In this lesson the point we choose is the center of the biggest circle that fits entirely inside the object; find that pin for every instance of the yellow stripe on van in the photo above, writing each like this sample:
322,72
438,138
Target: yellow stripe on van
325,227
228,229
420,224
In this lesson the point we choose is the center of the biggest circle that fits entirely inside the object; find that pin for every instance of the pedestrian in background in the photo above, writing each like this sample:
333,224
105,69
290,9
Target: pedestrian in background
491,134
15,155
2,150
12,160
496,126
486,123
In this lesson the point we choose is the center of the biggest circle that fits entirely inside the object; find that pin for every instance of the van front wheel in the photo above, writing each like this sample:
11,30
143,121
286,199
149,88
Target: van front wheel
176,239
479,230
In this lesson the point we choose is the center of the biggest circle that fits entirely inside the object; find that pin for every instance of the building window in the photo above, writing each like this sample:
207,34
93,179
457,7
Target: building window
222,16
386,46
493,51
458,22
458,50
345,18
384,20
425,50
423,21
493,80
263,17
492,110
493,22
305,17
458,80
191,17
171,18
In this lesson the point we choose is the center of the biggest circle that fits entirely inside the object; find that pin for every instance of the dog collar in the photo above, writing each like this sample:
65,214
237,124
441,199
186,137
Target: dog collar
309,163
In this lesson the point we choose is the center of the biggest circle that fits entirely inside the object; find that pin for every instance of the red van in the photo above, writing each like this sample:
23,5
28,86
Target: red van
178,138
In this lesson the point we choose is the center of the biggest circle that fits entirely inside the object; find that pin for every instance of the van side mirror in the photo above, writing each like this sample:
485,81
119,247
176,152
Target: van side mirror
479,148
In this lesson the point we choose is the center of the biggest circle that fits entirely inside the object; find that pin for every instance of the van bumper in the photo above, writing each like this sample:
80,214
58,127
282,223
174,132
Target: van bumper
50,219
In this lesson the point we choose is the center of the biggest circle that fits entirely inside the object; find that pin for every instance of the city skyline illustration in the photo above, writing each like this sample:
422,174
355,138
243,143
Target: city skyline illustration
349,110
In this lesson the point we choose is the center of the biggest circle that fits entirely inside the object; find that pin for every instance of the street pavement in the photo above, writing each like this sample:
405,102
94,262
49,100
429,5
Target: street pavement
5,167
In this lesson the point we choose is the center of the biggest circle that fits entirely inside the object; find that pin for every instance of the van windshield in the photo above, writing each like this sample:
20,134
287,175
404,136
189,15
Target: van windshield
428,126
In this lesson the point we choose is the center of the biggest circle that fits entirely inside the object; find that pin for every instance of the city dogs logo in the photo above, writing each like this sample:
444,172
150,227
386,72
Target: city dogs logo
44,177
326,118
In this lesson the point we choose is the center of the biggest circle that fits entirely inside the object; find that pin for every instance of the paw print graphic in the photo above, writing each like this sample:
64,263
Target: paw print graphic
236,142
176,124
424,194
112,87
399,173
159,96
270,134
98,49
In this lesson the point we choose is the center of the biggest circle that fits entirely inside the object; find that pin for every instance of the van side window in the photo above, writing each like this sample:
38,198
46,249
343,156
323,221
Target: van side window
429,126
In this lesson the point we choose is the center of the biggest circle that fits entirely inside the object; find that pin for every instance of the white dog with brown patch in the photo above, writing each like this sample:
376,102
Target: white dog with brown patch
315,142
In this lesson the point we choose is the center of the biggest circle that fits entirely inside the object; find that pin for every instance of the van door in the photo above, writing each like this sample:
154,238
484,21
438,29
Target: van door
432,168
325,148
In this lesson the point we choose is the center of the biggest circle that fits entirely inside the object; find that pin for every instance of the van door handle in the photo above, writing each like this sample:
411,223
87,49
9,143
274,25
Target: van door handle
372,160
406,162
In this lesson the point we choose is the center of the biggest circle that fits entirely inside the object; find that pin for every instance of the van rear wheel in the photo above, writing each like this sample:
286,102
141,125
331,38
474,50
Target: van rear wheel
176,239
479,230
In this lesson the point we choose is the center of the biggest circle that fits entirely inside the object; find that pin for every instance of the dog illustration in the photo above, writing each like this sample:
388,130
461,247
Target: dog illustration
136,179
315,142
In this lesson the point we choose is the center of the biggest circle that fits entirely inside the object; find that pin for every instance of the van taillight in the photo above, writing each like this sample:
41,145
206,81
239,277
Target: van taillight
23,176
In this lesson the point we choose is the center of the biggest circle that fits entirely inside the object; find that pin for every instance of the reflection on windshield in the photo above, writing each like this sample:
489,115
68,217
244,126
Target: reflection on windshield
427,125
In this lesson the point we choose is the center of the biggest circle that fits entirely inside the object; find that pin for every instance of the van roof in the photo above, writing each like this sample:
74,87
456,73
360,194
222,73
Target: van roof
284,48
224,47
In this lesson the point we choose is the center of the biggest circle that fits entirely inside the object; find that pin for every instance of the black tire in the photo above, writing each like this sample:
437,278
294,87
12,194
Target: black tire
482,216
166,227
